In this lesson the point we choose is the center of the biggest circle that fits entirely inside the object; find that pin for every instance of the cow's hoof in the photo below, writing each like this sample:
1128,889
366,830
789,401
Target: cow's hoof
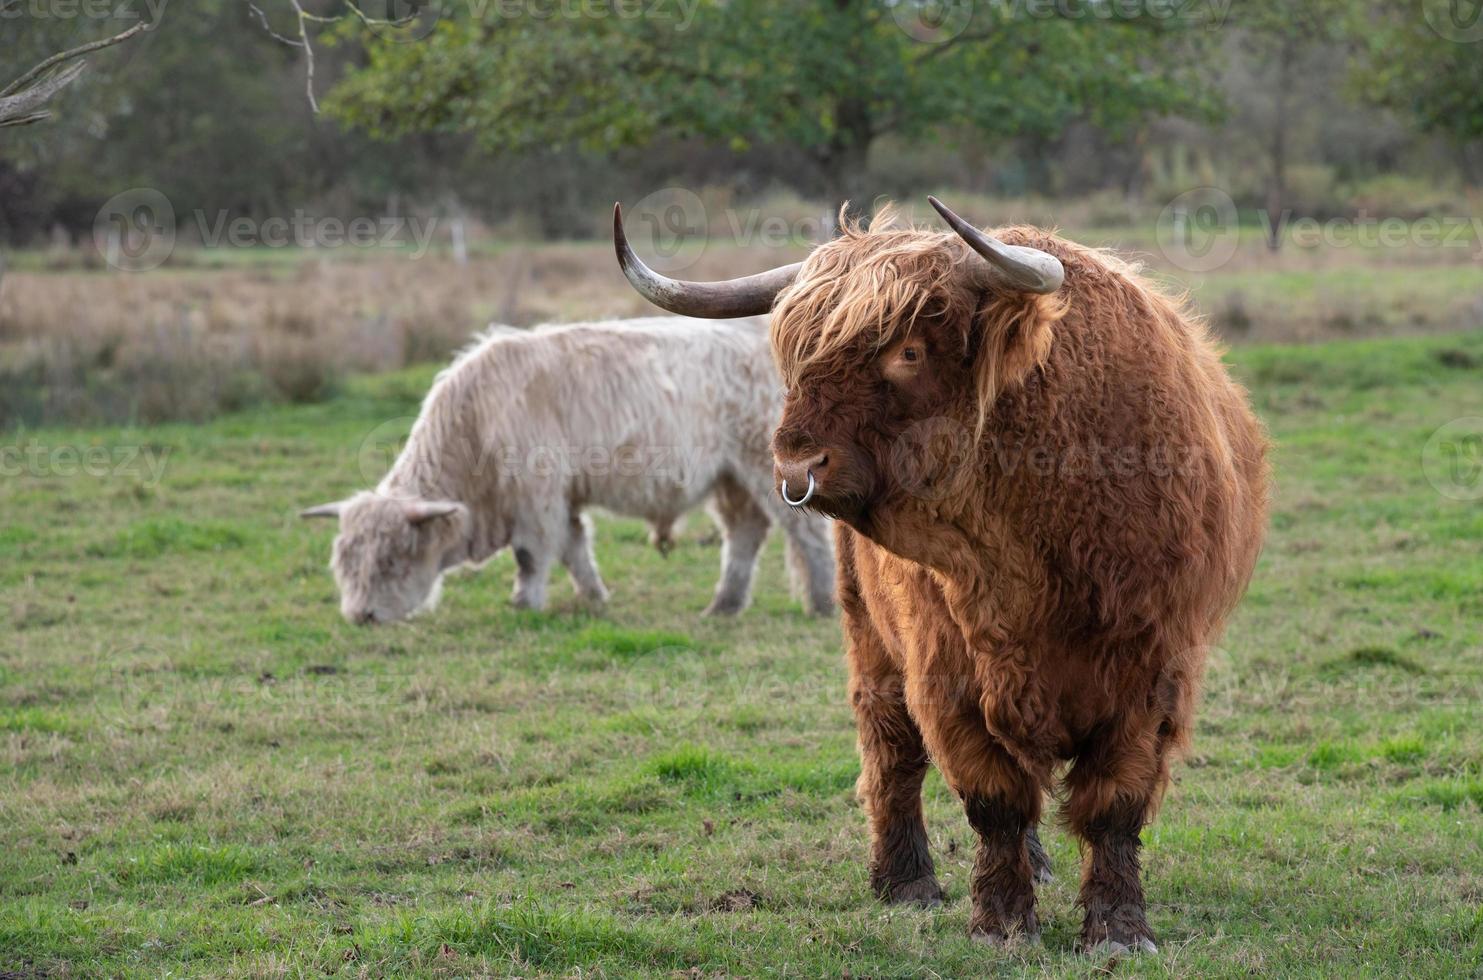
725,606
1111,947
1122,933
995,930
993,937
925,892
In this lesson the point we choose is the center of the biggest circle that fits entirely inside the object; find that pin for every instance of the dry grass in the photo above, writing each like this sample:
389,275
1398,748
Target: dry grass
214,330
80,346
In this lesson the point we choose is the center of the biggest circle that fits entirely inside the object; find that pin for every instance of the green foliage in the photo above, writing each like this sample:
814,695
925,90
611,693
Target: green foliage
1424,59
828,77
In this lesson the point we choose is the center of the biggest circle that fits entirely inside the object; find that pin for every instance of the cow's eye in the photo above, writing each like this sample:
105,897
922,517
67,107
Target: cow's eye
904,364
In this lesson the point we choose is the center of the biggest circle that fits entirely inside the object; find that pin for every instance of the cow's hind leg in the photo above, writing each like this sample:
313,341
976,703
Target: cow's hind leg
810,561
579,560
893,762
1039,860
810,550
744,527
1112,791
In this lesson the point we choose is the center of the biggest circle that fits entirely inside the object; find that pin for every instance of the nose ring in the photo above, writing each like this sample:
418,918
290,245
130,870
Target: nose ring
807,494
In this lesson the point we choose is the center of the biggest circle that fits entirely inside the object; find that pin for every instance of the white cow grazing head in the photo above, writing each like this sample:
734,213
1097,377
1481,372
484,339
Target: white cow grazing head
390,554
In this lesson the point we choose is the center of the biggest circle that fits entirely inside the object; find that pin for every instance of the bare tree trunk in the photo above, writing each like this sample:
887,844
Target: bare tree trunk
1277,181
1470,163
842,161
1133,177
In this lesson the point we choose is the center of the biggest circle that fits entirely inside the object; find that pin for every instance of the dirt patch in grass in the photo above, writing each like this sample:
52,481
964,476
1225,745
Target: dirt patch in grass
1365,658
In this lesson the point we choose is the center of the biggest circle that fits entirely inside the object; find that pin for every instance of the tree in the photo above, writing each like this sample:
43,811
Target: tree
1281,38
828,77
1425,60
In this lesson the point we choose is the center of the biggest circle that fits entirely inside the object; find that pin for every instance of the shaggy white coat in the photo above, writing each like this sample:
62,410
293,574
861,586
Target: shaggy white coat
527,429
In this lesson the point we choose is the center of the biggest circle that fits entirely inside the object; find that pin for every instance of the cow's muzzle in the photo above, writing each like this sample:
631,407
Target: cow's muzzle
807,494
809,472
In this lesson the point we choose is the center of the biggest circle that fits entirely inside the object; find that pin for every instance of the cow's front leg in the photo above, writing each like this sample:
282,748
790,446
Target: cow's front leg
1002,802
893,758
1111,794
893,762
1111,883
1003,878
532,572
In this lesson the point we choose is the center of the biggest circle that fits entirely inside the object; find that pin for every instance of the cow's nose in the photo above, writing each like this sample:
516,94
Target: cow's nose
800,477
363,617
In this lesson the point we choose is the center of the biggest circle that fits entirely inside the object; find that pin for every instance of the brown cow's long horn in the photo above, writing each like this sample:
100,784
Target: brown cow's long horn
747,296
1009,266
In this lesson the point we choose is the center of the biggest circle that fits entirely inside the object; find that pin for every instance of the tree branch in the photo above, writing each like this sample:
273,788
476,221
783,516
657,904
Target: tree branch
25,107
304,18
281,39
22,100
76,52
308,55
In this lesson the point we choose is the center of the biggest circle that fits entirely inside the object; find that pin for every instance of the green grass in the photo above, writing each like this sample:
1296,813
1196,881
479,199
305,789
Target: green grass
207,773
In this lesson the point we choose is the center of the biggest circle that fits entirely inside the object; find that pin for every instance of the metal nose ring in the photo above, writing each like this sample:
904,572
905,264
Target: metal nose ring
807,494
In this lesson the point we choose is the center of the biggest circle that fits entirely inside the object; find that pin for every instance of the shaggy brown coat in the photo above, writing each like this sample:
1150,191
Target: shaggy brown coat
1048,506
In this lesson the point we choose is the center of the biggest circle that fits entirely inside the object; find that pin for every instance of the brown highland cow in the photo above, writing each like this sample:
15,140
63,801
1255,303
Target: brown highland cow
1050,495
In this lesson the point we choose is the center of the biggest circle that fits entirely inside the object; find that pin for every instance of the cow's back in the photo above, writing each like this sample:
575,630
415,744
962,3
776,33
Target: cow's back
637,416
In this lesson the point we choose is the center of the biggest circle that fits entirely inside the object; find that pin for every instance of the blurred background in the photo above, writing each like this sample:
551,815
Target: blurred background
245,202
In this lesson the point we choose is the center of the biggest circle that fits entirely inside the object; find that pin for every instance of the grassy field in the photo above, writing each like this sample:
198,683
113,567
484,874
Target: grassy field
207,773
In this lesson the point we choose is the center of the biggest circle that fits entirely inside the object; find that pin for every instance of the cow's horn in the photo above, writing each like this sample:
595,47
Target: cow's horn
747,296
1014,267
421,511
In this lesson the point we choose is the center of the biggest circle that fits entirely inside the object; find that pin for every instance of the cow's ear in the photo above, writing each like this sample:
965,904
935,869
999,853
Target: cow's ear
420,511
324,510
1014,336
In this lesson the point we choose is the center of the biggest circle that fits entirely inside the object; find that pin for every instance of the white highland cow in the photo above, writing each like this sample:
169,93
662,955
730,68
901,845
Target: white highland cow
527,429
